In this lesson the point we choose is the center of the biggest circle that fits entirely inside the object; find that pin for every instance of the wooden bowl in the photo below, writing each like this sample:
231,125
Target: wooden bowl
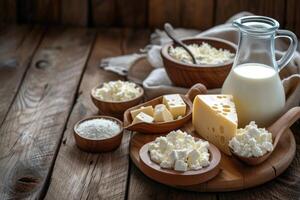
163,127
185,75
115,108
98,145
172,177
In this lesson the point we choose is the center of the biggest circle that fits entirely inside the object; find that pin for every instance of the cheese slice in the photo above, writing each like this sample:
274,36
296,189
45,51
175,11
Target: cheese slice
162,114
142,117
175,105
215,119
147,110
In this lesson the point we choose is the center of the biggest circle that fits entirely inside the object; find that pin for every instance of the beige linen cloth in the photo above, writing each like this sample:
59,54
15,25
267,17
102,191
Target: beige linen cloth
158,83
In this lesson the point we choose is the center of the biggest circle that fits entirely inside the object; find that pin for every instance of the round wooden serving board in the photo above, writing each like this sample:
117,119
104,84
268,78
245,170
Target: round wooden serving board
234,175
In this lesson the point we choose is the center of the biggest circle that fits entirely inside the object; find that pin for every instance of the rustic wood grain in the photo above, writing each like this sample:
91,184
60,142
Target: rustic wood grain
161,11
271,8
18,43
32,130
79,175
293,16
36,11
8,11
197,14
74,12
131,13
103,12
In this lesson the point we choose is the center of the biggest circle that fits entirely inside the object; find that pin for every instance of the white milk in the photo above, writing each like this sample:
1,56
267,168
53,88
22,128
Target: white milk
258,93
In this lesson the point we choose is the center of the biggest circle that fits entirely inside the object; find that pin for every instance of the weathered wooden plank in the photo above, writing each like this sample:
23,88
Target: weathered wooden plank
74,12
292,17
80,175
32,130
103,12
161,11
284,187
197,14
131,13
18,43
271,8
36,11
8,11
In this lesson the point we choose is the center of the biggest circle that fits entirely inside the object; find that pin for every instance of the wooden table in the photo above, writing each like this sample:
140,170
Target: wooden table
45,76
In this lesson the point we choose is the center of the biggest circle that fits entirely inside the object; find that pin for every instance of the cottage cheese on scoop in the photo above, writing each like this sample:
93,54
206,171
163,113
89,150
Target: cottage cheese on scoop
179,151
252,141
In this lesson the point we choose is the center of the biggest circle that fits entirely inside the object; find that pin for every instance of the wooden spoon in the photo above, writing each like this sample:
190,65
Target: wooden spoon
170,32
277,129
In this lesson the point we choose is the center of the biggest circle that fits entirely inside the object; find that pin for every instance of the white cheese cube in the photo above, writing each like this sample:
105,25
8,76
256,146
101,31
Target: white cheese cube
175,105
142,117
180,165
147,110
162,114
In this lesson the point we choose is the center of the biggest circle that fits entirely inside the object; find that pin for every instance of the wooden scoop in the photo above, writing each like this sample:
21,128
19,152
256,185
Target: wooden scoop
277,129
164,127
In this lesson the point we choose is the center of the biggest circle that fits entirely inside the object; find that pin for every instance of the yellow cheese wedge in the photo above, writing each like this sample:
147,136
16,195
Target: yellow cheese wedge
142,117
175,105
162,114
215,119
147,110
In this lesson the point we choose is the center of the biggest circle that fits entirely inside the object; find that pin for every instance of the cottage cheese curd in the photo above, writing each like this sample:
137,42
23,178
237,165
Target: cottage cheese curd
117,91
204,54
179,151
252,141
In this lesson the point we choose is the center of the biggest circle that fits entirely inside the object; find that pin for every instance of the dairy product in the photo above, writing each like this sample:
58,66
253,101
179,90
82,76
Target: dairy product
258,93
147,110
118,91
204,54
179,151
143,117
162,114
252,141
215,119
175,104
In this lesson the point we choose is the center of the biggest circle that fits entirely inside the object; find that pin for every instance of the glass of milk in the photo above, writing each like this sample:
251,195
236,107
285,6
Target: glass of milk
254,81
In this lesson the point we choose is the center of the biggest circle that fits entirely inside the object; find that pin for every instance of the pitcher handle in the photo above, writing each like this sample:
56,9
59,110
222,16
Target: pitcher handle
285,59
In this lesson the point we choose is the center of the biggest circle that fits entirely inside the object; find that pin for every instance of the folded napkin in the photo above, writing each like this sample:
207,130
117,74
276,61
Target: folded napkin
158,83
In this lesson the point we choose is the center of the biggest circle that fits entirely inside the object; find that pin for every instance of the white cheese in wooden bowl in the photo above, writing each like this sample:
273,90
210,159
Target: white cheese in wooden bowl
251,141
204,54
179,151
117,91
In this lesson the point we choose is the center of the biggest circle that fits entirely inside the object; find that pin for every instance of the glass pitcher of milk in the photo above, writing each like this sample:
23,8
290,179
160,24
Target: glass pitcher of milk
254,80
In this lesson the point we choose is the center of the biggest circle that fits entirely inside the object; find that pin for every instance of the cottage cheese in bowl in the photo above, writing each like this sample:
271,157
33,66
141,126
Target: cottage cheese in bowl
179,151
205,54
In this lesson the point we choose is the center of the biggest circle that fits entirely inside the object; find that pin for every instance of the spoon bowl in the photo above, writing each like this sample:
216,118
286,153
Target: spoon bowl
278,128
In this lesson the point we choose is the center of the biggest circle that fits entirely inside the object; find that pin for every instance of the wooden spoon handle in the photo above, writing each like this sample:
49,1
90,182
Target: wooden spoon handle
284,122
195,90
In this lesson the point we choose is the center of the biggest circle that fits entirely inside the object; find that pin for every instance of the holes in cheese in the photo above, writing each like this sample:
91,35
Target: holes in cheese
219,125
147,110
143,117
175,105
162,114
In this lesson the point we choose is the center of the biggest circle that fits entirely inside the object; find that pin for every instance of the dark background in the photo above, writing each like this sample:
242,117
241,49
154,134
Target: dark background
200,14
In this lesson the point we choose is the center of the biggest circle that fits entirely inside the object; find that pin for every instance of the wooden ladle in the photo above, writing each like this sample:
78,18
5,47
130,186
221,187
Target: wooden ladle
171,33
277,129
